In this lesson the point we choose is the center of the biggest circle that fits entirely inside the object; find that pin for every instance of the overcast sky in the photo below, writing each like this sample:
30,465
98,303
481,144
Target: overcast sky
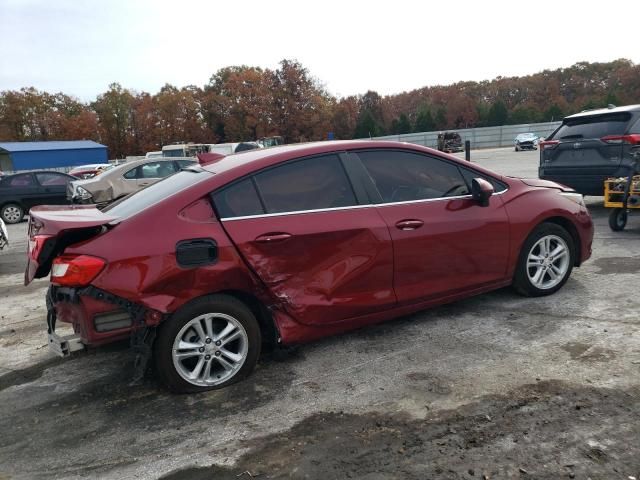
81,46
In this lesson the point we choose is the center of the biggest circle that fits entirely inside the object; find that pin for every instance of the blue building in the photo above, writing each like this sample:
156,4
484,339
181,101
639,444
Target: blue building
54,154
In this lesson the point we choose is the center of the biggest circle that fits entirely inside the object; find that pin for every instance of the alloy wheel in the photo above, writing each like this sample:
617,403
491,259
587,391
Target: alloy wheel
548,262
12,213
210,349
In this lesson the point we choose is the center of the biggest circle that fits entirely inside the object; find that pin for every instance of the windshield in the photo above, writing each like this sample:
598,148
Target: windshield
157,192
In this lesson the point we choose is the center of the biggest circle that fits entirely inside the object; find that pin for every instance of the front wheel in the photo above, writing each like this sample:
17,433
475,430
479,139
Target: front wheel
208,344
618,219
545,262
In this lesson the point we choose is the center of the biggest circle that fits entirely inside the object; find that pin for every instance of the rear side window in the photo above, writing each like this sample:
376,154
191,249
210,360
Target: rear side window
22,180
636,127
238,200
593,127
156,170
311,184
406,176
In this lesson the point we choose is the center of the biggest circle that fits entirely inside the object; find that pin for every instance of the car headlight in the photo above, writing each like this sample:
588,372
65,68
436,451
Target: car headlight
575,197
82,194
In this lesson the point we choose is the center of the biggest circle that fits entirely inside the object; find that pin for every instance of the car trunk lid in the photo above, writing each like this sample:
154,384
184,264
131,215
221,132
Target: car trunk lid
53,228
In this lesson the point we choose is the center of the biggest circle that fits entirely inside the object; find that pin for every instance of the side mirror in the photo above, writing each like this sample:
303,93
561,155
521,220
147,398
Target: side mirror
481,191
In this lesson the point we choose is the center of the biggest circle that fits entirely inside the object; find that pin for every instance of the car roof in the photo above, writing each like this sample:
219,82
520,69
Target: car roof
247,162
604,111
7,175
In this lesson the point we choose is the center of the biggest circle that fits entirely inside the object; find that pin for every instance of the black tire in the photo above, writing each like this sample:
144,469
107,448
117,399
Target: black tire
517,149
12,213
521,281
166,371
618,219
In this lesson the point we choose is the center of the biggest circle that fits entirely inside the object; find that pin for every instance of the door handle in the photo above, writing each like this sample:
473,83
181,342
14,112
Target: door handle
273,237
409,224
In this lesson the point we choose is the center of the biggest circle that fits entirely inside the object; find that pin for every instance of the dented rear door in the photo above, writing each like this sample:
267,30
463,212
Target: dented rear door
301,230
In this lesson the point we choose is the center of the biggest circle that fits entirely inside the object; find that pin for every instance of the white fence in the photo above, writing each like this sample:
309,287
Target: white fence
483,137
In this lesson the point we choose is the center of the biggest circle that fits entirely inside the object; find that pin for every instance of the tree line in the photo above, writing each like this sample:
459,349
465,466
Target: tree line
242,103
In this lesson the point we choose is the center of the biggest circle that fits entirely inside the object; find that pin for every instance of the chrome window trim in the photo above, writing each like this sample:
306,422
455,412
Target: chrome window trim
352,207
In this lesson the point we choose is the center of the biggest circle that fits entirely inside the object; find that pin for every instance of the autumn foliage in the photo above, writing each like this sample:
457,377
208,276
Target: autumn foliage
246,103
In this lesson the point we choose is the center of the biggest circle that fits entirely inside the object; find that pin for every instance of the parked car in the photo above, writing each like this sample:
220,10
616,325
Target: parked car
591,146
230,148
89,171
124,179
21,191
4,235
289,244
526,141
450,142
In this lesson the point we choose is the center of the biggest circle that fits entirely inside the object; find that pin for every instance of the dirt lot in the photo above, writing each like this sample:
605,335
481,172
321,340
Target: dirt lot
497,386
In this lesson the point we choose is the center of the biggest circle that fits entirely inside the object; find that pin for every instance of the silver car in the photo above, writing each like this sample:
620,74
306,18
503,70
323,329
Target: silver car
124,179
526,141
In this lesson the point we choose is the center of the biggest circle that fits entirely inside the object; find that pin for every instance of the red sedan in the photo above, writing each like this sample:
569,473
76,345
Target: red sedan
288,244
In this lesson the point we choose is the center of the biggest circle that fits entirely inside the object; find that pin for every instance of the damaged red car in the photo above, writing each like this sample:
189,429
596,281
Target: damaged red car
288,244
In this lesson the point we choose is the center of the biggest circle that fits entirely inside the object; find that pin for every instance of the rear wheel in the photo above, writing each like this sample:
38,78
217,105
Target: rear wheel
545,262
618,219
12,213
208,344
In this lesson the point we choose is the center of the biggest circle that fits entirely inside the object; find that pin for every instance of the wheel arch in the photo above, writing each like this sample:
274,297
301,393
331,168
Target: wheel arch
571,229
266,322
268,327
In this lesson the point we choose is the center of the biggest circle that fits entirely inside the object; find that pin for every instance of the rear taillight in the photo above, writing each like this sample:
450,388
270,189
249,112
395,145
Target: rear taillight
75,270
548,144
36,244
632,139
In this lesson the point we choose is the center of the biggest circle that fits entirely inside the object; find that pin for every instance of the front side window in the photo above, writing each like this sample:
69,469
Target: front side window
311,184
50,179
470,174
406,176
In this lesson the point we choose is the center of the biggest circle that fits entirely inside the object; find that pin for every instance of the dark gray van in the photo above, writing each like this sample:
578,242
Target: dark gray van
589,147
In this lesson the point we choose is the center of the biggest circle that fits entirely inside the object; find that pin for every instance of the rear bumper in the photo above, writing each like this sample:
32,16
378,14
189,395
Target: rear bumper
94,322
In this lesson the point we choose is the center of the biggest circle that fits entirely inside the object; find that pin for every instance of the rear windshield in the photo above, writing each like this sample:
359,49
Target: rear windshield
593,127
136,202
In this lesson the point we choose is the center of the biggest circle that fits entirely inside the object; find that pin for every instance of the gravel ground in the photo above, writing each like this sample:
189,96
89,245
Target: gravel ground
497,386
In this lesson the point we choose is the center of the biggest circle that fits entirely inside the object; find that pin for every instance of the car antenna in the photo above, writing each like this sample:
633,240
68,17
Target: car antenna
610,106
